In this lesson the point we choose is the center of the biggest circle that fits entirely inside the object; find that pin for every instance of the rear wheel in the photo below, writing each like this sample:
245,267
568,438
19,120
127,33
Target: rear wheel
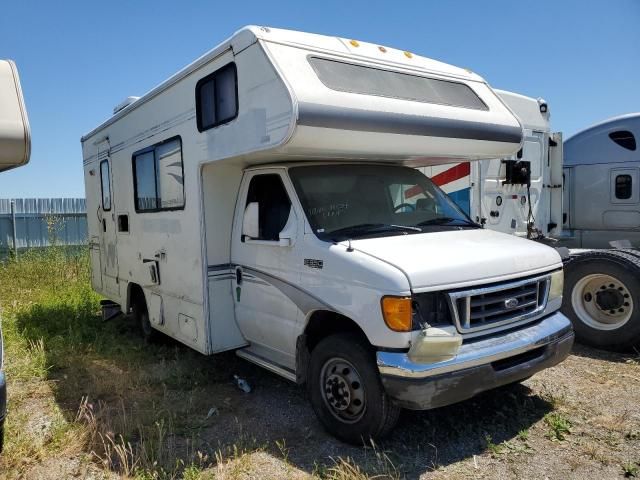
141,316
346,392
602,298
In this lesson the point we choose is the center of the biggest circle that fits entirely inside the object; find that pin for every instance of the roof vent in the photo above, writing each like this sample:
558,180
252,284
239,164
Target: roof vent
124,104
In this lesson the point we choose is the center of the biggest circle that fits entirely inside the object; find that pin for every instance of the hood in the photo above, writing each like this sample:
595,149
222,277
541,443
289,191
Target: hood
460,258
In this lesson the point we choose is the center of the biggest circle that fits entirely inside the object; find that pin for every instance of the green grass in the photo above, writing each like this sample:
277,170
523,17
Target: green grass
559,426
72,369
81,388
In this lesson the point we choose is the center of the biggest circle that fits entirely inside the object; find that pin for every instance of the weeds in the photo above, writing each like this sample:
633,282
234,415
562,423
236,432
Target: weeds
631,469
559,426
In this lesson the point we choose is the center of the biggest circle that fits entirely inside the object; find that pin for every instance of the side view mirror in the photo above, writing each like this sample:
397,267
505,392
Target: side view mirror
250,221
15,136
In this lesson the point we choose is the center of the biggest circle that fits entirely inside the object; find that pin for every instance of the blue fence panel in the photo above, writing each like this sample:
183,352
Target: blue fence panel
39,221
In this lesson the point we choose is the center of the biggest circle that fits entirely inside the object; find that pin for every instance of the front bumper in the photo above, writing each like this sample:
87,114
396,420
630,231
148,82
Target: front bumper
480,365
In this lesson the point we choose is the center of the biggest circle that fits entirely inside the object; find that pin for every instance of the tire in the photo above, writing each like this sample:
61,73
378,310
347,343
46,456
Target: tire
346,392
141,316
1,436
602,298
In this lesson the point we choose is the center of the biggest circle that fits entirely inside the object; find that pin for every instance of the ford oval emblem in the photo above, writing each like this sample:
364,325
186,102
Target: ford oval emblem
511,303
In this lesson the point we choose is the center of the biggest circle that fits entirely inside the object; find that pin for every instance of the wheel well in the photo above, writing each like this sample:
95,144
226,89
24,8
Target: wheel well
135,295
324,323
321,324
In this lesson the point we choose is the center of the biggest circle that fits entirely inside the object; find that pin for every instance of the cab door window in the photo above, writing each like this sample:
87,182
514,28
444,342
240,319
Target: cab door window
273,204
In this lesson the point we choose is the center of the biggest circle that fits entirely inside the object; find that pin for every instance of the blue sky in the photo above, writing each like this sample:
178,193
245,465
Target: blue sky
79,59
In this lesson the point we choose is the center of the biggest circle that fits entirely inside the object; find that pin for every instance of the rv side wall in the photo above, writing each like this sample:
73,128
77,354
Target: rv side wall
170,235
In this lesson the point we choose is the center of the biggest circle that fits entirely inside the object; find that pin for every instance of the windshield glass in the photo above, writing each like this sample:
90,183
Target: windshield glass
358,201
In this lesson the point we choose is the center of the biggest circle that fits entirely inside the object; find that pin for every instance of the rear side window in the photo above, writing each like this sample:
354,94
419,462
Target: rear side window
347,77
624,187
158,177
624,138
105,184
217,98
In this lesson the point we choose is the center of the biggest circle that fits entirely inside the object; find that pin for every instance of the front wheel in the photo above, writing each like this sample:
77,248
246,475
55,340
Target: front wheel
346,392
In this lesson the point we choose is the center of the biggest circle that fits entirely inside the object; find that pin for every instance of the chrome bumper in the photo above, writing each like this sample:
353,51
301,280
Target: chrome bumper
480,365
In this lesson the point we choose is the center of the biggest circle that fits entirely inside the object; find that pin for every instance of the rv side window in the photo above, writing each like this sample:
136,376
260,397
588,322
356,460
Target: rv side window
348,77
624,186
158,176
273,204
105,185
624,138
217,98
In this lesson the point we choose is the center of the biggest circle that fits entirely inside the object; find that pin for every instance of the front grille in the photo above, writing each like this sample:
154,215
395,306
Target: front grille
499,305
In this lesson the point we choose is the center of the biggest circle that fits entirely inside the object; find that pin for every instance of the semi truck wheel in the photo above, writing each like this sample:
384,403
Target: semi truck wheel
346,392
602,298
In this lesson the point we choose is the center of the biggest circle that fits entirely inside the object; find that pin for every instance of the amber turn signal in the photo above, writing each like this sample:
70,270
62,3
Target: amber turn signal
396,312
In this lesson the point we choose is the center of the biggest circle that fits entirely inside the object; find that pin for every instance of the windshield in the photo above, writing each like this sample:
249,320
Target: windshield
357,201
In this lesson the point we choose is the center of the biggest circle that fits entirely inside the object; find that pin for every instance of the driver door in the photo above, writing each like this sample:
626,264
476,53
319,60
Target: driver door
267,267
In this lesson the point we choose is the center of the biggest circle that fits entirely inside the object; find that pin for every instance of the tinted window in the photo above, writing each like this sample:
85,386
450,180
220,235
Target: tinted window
158,177
346,77
274,204
105,185
217,98
624,186
624,138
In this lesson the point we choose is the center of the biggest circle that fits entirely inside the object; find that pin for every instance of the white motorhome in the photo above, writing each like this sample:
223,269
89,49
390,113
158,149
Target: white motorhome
586,199
263,200
15,149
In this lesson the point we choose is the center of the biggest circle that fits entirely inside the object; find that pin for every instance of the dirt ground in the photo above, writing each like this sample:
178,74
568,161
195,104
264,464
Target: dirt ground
576,420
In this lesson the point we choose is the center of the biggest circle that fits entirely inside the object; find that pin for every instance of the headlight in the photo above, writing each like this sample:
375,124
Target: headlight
557,285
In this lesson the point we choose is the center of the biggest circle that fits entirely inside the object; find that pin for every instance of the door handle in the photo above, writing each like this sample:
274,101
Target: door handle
238,276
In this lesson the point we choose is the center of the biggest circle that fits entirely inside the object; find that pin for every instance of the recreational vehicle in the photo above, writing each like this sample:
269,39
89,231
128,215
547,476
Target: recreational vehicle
585,199
264,200
15,148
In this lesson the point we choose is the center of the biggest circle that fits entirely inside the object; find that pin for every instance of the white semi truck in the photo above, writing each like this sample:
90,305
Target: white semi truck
15,149
263,200
587,199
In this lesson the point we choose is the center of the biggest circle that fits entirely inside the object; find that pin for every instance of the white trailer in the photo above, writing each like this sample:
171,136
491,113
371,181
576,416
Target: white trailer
15,149
263,200
586,199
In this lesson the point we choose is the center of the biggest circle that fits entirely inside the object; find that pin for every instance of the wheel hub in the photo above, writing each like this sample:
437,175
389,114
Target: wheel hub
609,299
338,392
602,301
342,390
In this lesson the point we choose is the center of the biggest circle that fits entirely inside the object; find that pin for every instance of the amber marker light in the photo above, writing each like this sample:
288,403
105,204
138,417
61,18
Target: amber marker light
408,54
396,312
354,43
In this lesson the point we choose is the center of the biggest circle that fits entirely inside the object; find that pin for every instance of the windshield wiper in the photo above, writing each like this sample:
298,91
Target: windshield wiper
447,220
366,228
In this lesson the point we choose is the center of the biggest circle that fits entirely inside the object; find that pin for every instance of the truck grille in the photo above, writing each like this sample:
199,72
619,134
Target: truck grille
500,305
